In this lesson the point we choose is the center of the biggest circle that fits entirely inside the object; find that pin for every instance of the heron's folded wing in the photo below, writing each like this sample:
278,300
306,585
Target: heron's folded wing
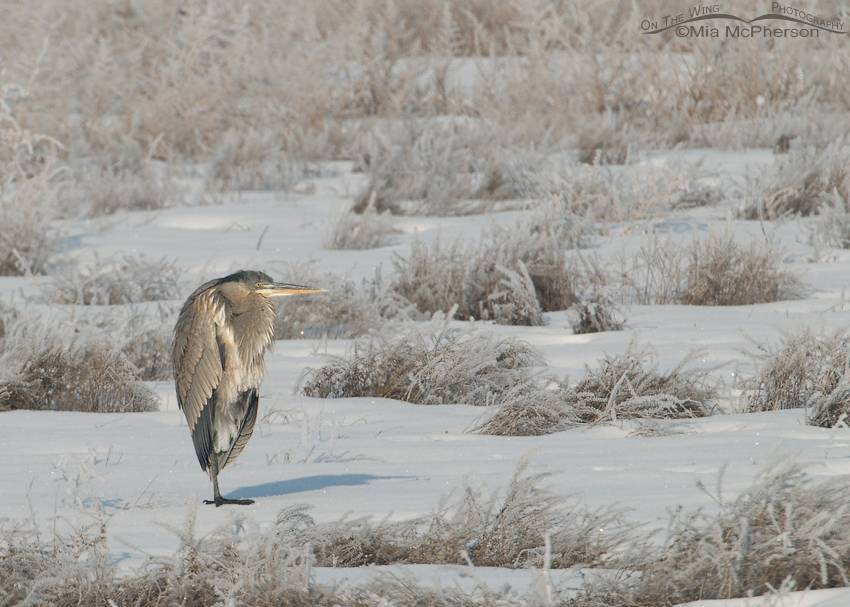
198,368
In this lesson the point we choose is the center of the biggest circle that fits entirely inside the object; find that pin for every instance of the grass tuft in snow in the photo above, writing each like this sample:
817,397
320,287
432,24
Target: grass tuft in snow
511,277
445,168
784,531
368,230
252,160
714,271
114,281
801,182
52,367
30,175
146,339
832,227
804,369
596,315
346,311
623,387
428,365
483,527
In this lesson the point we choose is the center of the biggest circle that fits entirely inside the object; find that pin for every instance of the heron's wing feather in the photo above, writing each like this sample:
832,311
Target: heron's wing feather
198,367
251,399
202,434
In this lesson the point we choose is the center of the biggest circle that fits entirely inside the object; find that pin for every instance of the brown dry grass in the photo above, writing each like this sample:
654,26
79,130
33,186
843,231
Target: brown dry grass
49,368
716,270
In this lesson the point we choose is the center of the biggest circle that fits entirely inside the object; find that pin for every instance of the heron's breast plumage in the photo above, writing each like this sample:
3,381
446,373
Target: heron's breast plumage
244,339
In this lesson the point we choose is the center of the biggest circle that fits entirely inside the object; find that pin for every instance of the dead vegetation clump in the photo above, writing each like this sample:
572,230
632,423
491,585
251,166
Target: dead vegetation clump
117,175
802,182
723,272
146,343
30,175
252,160
431,365
484,528
114,281
803,365
596,315
785,532
50,367
511,276
806,369
444,168
832,227
346,311
523,525
624,387
368,230
604,141
714,271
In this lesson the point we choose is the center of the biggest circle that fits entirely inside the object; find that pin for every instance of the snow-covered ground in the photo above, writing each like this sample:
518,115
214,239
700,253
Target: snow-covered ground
387,459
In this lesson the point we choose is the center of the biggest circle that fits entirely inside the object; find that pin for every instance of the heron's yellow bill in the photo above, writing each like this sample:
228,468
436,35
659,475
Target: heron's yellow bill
279,289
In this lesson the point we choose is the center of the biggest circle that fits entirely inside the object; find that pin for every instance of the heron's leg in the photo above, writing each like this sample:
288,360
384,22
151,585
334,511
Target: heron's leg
217,499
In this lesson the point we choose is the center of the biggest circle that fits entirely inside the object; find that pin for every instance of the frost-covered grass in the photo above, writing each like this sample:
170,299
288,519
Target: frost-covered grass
623,387
347,310
109,282
366,230
51,367
431,365
716,270
783,532
803,181
511,276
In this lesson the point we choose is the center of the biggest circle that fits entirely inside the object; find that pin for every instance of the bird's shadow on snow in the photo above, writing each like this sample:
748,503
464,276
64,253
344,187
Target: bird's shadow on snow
307,483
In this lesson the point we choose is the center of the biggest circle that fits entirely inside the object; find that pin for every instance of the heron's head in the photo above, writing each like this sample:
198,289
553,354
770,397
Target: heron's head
262,283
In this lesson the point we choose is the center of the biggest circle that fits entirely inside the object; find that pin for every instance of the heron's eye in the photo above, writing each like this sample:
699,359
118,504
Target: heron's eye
259,284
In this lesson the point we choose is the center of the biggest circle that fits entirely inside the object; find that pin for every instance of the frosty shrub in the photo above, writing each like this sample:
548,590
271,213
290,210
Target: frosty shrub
624,387
428,365
596,315
8,314
832,227
802,181
98,190
784,531
725,273
238,563
368,230
698,195
603,141
493,530
52,367
25,242
114,281
346,311
804,368
442,168
30,175
147,343
118,174
511,276
437,278
252,160
713,271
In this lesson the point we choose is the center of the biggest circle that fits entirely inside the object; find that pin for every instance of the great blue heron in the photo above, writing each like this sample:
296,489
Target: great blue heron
223,330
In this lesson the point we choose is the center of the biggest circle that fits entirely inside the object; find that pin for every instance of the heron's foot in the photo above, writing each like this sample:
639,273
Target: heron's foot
221,501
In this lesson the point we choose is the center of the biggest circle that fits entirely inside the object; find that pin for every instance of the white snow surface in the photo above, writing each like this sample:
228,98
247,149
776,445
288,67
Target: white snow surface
388,459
